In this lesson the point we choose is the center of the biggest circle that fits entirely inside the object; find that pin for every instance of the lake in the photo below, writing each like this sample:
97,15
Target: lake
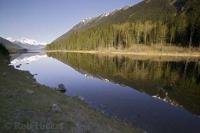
156,94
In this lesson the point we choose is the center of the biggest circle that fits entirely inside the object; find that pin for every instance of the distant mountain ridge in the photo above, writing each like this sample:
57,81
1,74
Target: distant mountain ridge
174,22
12,48
25,40
28,44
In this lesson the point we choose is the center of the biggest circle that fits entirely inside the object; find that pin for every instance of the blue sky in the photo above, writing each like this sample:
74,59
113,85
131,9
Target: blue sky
45,20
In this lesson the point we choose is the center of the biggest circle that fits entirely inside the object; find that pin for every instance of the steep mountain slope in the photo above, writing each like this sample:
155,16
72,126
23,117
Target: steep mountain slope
12,48
149,10
174,22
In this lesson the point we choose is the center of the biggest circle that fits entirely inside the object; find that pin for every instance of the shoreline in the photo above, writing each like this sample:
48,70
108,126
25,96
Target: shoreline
25,102
128,53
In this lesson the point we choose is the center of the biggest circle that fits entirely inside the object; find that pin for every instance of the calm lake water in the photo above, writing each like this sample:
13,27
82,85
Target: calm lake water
158,95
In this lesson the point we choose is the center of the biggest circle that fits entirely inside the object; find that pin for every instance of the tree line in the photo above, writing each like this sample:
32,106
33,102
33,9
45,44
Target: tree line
181,29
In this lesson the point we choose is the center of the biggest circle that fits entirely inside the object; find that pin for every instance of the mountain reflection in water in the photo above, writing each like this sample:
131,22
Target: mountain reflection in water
152,93
176,82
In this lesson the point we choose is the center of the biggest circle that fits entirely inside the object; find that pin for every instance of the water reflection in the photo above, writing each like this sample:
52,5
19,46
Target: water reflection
115,85
177,82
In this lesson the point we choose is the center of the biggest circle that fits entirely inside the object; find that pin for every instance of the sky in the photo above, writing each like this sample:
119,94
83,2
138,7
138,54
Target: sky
45,20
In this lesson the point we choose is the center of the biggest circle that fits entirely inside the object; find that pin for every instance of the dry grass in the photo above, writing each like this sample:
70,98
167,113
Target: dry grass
142,50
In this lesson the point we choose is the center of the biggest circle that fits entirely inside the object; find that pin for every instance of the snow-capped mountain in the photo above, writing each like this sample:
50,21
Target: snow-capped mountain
11,47
28,44
25,40
106,14
93,21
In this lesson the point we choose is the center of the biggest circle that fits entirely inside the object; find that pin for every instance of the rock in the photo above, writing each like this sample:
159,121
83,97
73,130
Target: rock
81,98
55,108
4,74
61,88
106,80
18,66
30,92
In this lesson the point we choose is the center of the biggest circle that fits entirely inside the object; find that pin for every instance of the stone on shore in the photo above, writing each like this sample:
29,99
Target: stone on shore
61,88
55,108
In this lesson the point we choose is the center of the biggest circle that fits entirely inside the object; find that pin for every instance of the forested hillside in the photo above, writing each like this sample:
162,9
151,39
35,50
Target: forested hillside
150,22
